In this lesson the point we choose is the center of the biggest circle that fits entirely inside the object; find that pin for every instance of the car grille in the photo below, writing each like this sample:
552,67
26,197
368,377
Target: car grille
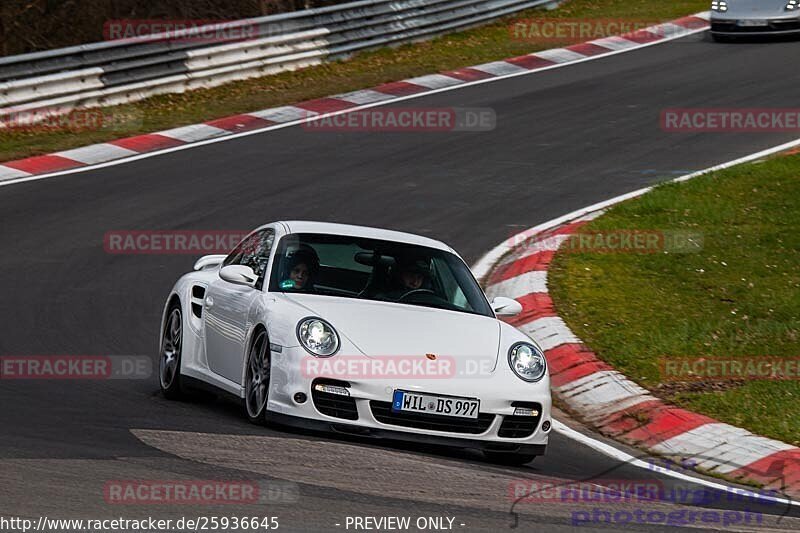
774,25
785,25
382,411
334,404
519,427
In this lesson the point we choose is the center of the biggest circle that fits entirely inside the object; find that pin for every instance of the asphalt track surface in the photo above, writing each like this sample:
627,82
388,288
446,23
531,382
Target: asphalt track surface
564,139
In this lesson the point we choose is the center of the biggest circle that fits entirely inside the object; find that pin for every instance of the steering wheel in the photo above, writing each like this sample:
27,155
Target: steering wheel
415,291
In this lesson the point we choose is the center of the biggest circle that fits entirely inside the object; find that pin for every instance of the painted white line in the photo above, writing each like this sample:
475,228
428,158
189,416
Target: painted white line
549,332
721,447
366,96
193,133
96,153
500,68
435,81
288,114
532,246
484,266
590,216
559,55
624,457
306,118
668,28
615,43
602,390
535,281
7,173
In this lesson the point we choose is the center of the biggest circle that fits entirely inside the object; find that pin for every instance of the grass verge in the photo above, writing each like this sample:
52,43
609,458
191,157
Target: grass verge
738,296
487,43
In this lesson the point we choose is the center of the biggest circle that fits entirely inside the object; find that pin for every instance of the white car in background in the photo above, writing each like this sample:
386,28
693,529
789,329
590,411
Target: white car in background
358,330
733,18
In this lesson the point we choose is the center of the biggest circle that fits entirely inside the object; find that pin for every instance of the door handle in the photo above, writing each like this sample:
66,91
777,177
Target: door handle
209,302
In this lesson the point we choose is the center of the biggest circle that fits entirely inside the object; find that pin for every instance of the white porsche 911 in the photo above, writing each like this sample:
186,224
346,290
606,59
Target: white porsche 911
358,330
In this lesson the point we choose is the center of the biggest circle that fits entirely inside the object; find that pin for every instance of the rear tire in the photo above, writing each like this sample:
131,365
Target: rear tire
169,366
256,379
509,458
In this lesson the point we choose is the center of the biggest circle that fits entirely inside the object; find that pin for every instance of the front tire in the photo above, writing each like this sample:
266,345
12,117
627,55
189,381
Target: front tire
169,366
509,458
257,377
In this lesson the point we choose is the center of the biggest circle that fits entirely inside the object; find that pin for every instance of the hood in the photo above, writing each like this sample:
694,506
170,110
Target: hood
383,329
756,8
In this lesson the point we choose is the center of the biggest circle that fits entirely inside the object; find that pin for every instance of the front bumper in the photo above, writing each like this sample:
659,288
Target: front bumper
361,431
734,25
367,410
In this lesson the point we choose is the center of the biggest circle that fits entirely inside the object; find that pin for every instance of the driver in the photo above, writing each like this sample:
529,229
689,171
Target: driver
302,265
411,274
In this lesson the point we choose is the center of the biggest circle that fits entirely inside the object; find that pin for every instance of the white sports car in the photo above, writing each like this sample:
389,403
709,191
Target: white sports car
358,330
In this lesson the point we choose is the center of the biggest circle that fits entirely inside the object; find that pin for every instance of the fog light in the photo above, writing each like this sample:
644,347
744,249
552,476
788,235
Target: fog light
300,397
526,411
332,389
546,425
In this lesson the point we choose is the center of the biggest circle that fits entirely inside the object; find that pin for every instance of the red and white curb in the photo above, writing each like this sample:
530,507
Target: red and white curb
249,123
604,397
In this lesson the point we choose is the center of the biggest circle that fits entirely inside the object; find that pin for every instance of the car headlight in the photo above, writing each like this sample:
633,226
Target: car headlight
318,337
720,6
527,361
793,5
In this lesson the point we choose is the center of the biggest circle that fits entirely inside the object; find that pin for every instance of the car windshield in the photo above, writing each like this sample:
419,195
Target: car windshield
370,269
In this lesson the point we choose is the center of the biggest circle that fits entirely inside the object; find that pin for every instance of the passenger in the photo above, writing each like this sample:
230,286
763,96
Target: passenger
302,266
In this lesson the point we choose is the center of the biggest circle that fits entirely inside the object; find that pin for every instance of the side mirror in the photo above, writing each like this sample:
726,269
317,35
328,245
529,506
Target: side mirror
239,274
503,306
209,261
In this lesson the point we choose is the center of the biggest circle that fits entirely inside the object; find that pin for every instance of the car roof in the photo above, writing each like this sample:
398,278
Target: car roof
307,226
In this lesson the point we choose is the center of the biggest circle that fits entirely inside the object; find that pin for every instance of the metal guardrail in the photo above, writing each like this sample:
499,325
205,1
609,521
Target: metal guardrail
126,70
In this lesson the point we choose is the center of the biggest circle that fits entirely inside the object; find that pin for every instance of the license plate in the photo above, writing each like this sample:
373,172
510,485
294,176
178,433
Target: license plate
753,22
435,405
